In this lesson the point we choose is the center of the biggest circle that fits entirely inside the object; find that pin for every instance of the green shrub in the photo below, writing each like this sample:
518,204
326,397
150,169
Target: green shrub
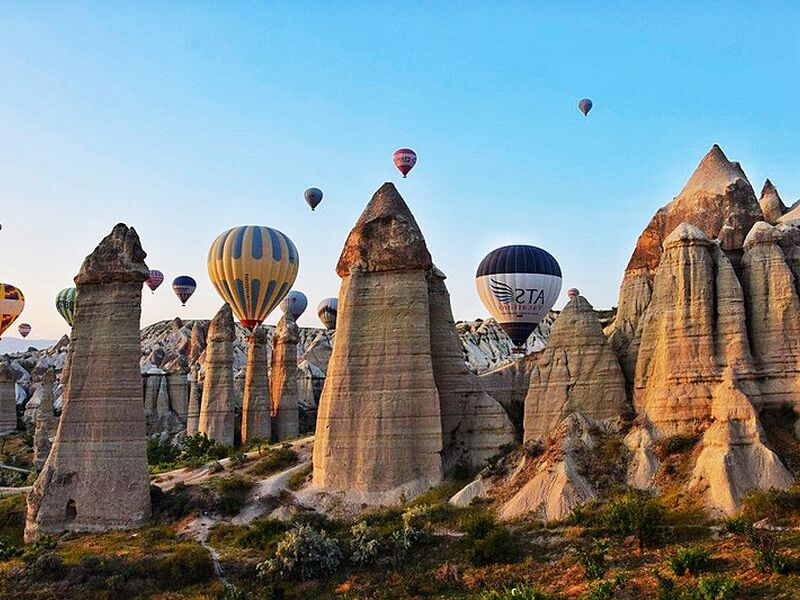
487,542
12,518
592,556
188,564
303,553
8,551
779,507
162,453
634,513
300,478
364,545
606,589
263,534
689,560
520,592
183,500
40,546
676,444
769,558
275,461
738,525
711,587
233,492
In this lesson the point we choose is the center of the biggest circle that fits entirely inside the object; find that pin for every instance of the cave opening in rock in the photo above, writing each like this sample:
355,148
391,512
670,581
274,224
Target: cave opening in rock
72,510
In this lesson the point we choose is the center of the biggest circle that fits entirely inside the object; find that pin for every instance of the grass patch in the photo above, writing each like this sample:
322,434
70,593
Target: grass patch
300,479
233,493
12,519
275,461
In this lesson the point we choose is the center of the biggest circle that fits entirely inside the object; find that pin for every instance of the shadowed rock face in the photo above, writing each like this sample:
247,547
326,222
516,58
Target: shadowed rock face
195,394
96,475
256,405
284,379
45,421
577,372
720,202
217,406
771,204
8,399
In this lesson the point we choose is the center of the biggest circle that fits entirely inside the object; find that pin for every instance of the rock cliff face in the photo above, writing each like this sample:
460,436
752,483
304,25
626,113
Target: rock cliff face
771,204
379,430
8,399
256,421
577,372
720,202
45,421
217,407
284,379
99,451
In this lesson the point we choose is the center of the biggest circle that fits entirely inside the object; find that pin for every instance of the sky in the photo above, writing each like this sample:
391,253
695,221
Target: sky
183,119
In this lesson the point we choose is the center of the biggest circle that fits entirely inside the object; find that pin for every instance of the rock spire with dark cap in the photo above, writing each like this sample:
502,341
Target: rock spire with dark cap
216,407
96,475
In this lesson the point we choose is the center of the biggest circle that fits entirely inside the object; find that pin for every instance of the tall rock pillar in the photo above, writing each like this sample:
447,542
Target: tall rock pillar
217,405
285,407
379,426
8,399
256,406
45,421
195,393
96,475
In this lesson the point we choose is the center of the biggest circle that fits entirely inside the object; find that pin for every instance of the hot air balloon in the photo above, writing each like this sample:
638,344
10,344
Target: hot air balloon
24,329
252,268
65,304
327,312
404,160
294,304
155,280
519,285
313,197
585,105
572,292
184,286
12,301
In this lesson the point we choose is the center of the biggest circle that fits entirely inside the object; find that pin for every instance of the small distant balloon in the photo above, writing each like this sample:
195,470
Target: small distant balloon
294,304
404,160
24,329
156,279
313,197
65,304
12,301
184,286
327,312
585,105
573,292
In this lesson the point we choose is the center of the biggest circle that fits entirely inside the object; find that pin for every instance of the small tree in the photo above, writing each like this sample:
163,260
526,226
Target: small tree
635,513
303,553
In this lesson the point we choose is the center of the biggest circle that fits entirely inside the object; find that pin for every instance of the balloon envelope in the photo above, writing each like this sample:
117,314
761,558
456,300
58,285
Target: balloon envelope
65,304
313,197
572,292
294,304
518,285
24,329
404,160
252,268
184,286
327,311
585,105
156,278
12,301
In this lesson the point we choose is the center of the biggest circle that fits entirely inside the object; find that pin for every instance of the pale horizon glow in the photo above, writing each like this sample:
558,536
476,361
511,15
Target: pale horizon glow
185,119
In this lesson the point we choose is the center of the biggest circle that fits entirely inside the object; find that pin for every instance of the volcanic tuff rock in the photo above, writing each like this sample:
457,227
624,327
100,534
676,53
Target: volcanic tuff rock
45,421
474,425
195,395
256,404
8,399
771,204
284,379
178,385
379,429
720,202
577,372
96,475
217,406
734,458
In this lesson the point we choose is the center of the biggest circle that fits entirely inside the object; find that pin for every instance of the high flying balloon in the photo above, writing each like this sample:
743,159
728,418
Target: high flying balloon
65,304
156,279
184,286
573,292
24,329
12,301
294,304
585,105
313,197
519,285
252,268
327,312
404,160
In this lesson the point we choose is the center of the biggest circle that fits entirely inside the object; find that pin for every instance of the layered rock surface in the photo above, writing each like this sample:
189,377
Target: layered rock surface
45,421
577,372
8,399
96,475
284,379
216,418
256,421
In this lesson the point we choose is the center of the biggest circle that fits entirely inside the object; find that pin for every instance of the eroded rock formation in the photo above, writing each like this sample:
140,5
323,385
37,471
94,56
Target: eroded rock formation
96,475
195,394
771,204
45,421
8,399
284,379
256,404
577,372
217,405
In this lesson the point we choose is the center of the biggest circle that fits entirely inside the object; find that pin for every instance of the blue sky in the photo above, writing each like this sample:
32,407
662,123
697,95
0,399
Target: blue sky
183,119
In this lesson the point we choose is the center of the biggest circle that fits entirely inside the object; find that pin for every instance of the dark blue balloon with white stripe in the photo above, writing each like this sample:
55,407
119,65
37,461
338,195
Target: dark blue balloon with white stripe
184,286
